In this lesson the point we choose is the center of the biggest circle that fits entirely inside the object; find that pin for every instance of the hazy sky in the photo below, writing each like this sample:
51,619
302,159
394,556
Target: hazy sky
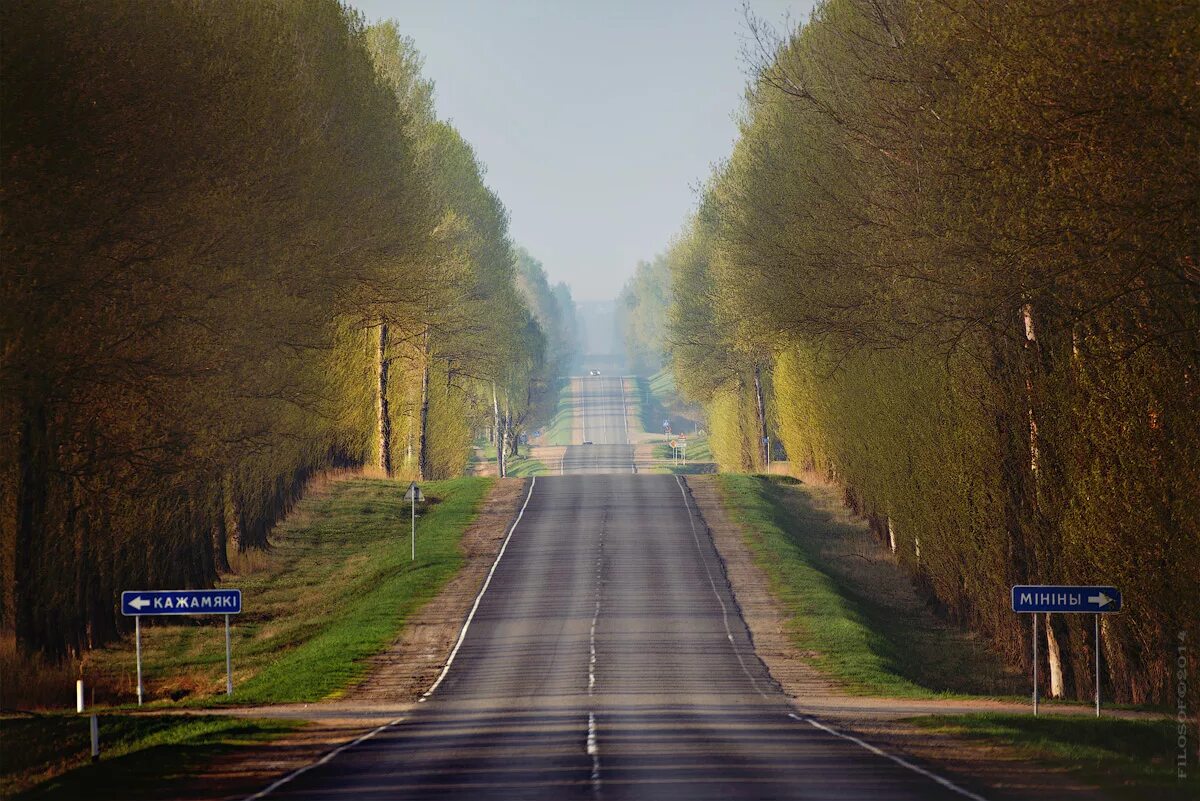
595,120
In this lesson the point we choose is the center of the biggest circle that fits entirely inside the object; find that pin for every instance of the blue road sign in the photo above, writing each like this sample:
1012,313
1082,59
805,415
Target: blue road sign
181,602
1055,598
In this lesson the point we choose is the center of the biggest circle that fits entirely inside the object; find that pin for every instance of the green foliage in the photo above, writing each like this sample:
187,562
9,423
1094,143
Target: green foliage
958,246
239,249
863,637
535,397
642,315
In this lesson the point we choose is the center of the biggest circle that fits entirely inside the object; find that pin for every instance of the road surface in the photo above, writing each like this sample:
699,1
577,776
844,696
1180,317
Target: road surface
607,659
604,422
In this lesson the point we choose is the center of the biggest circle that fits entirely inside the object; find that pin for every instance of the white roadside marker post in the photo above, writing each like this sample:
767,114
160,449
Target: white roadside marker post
79,695
412,496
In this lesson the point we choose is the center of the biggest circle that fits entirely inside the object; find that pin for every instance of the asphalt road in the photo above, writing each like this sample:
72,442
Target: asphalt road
606,659
604,422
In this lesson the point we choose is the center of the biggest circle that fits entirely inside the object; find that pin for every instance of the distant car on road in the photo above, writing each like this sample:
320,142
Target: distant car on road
587,442
593,372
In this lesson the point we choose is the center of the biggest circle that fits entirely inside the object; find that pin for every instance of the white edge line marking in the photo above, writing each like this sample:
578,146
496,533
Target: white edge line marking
593,742
713,584
816,723
949,785
461,636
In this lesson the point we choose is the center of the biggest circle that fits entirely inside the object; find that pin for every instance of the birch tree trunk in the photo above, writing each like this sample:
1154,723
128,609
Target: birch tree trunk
1054,656
220,535
385,415
497,423
423,451
509,435
1032,362
763,443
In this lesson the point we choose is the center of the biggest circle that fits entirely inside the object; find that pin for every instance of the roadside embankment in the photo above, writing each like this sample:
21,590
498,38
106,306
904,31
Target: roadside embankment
843,631
342,630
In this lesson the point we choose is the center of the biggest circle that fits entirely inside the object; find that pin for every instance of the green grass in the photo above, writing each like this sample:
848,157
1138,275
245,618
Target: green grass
657,399
559,431
652,398
142,756
1132,759
862,629
697,449
337,588
524,467
520,467
699,458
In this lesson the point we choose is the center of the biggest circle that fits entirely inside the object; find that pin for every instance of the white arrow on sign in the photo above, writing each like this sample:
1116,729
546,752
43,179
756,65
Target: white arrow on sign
139,603
1103,599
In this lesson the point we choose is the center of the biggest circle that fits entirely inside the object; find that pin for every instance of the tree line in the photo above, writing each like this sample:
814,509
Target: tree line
641,315
239,247
952,263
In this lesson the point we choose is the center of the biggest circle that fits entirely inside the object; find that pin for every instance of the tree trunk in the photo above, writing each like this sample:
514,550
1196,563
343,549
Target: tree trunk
498,423
763,442
509,431
1031,345
423,450
1054,657
385,415
220,536
231,516
84,569
32,457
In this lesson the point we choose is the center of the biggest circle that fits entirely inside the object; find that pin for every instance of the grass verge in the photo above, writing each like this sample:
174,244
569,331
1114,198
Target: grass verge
697,449
855,612
1133,759
520,466
560,429
141,755
525,467
336,589
658,400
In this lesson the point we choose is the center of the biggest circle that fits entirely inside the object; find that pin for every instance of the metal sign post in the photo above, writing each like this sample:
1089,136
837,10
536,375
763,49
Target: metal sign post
135,603
137,638
1035,666
1036,599
228,660
414,495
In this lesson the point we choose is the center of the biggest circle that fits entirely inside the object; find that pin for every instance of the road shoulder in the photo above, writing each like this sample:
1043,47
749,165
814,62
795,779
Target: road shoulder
399,676
880,721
